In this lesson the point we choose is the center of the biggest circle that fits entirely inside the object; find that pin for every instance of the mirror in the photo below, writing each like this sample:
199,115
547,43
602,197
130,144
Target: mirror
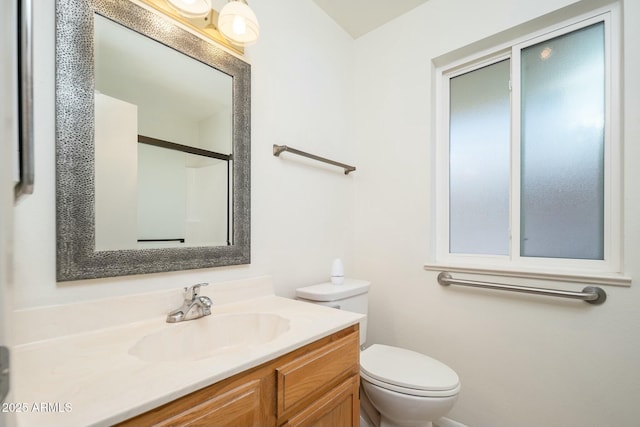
152,145
163,144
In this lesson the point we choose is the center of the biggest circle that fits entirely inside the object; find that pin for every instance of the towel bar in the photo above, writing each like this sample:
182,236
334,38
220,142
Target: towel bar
278,149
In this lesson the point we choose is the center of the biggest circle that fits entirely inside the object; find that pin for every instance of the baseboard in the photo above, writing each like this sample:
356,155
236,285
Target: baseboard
446,422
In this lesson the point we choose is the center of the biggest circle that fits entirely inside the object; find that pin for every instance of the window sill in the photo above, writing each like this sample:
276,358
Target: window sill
613,279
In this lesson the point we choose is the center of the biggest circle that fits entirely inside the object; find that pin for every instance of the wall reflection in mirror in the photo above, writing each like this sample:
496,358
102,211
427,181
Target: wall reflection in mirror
163,141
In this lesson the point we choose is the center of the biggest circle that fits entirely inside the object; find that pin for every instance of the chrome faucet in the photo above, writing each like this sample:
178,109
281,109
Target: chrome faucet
193,306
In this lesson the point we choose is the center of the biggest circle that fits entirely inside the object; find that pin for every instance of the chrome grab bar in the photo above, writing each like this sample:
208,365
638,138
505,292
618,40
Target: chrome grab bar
278,149
591,294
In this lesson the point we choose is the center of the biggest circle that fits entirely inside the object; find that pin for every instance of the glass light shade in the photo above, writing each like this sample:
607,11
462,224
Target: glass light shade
238,23
191,8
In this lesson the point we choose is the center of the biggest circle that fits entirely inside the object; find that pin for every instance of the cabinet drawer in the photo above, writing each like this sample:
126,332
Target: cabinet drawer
309,376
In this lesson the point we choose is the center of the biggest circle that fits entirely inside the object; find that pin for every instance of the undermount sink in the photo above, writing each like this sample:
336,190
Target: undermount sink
204,337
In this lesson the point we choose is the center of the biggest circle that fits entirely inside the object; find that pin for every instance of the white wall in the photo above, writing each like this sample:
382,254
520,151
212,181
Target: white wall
215,132
8,146
8,140
523,361
301,95
116,173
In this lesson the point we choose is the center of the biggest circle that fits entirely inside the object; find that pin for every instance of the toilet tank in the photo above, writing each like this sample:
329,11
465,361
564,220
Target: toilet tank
352,295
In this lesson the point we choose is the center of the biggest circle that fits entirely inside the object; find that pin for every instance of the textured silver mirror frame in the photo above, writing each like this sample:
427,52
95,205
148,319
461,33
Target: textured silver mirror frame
75,190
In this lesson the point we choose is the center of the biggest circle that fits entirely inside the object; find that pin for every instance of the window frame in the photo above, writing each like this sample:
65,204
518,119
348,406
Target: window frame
606,271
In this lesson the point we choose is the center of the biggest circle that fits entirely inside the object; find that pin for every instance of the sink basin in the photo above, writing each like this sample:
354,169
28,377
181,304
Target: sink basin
204,337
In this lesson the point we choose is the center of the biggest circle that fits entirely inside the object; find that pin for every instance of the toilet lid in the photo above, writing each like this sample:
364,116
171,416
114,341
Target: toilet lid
400,369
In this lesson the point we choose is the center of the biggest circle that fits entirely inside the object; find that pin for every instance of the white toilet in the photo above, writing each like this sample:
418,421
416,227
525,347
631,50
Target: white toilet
401,387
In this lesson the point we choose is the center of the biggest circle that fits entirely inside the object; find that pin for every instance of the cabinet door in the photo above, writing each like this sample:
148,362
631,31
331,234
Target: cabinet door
240,405
237,407
339,407
305,378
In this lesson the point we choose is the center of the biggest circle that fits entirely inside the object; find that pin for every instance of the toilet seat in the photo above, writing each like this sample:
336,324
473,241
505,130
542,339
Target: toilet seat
408,372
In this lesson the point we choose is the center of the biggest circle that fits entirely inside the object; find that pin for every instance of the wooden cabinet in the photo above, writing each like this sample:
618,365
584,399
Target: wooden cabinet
304,379
316,385
339,407
240,401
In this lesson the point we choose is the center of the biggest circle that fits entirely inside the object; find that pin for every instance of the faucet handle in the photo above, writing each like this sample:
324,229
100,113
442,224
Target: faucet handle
191,292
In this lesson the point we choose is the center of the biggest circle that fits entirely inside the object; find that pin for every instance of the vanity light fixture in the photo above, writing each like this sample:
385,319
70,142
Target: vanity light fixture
238,23
191,8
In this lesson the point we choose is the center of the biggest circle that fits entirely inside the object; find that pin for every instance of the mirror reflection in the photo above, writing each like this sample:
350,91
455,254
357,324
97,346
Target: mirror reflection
163,145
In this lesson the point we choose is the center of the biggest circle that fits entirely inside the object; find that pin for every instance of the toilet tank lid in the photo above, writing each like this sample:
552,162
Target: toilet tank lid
330,292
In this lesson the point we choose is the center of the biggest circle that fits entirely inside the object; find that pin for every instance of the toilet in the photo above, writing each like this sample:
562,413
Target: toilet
400,387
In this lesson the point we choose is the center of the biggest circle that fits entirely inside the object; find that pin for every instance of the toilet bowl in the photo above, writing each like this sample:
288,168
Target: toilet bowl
400,387
406,388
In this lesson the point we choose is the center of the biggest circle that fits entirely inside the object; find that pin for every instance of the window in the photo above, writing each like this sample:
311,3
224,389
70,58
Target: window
528,156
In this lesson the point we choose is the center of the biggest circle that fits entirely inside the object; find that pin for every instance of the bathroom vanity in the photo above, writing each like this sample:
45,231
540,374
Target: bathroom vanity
257,360
316,384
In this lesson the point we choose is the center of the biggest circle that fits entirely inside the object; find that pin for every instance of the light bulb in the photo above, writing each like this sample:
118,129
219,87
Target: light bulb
239,26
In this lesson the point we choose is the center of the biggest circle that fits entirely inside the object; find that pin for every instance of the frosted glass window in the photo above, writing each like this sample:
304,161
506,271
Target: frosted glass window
479,137
562,146
528,153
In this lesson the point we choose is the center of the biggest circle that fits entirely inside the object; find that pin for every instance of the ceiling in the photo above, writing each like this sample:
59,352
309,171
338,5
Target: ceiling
358,17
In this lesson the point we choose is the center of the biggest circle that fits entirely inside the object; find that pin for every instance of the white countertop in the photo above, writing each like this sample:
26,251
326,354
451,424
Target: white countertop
90,378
